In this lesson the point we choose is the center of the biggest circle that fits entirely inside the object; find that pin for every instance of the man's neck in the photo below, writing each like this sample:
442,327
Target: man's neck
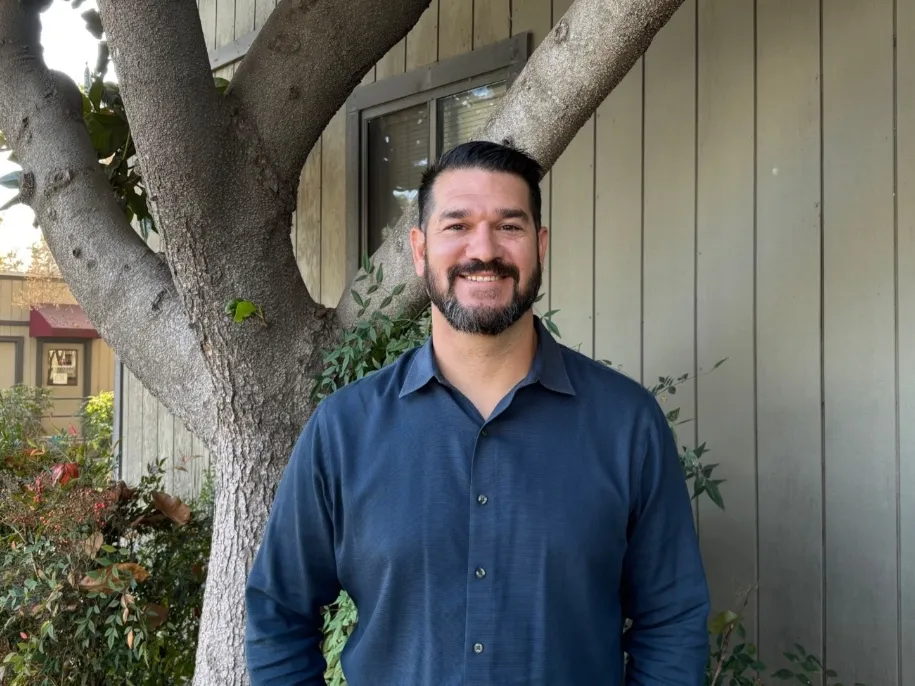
484,368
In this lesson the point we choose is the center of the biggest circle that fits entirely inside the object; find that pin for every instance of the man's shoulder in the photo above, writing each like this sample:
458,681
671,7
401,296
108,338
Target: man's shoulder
597,381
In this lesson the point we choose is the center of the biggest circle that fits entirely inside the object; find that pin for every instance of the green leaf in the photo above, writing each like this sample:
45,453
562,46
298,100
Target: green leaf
244,309
357,298
379,276
398,289
95,92
784,674
723,620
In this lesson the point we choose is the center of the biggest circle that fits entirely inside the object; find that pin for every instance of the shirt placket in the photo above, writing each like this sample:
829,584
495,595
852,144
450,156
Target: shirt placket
479,632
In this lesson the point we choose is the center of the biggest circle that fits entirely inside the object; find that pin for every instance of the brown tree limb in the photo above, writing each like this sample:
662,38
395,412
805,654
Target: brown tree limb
593,46
306,61
124,288
221,208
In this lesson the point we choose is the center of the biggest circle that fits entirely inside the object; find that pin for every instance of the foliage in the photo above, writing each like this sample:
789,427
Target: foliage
99,583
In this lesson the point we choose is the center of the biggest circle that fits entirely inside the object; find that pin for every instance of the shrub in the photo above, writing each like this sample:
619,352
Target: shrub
99,583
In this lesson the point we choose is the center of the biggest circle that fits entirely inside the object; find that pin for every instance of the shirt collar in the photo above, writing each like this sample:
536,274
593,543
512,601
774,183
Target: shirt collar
548,368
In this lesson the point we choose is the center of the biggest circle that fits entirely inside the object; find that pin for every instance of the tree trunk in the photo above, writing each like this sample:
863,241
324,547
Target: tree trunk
250,460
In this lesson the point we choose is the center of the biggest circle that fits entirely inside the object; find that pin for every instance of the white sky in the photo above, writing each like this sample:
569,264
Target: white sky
70,48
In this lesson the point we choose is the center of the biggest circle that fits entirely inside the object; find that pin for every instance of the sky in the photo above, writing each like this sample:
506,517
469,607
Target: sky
69,48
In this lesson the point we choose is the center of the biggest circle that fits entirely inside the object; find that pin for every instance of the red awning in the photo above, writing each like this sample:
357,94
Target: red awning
60,321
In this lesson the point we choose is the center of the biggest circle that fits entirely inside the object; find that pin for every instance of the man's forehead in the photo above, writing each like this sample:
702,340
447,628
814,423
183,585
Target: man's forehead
458,193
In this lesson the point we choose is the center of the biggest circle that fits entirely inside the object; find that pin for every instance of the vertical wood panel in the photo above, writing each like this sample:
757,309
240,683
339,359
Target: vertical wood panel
150,431
392,62
207,10
725,407
536,16
668,211
491,21
618,226
308,221
262,11
136,417
573,234
333,210
244,17
860,471
166,446
455,35
905,309
225,23
422,41
184,464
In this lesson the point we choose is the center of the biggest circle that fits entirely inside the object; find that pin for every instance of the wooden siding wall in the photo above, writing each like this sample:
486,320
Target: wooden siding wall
748,191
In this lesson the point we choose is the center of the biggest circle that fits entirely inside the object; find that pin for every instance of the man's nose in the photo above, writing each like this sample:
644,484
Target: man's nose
483,244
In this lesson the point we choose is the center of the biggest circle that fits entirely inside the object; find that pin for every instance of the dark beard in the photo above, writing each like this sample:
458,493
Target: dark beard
489,321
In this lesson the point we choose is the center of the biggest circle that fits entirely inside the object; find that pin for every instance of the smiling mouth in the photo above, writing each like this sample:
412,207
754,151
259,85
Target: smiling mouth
482,278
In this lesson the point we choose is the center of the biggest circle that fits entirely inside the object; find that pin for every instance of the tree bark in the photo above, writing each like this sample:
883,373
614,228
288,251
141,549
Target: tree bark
124,288
308,58
244,496
593,46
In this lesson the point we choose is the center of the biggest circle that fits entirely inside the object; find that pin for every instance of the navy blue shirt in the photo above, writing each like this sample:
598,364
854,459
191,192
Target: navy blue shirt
487,553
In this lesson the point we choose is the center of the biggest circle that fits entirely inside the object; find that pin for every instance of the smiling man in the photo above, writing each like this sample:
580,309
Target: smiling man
496,504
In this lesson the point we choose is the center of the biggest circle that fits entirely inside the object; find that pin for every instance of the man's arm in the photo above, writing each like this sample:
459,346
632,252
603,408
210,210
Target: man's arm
294,573
664,589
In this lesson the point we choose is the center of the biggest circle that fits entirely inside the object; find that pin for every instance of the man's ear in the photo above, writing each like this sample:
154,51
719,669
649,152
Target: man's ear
543,242
418,247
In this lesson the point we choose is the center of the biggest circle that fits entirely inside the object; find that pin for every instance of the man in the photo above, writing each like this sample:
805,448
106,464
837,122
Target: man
497,505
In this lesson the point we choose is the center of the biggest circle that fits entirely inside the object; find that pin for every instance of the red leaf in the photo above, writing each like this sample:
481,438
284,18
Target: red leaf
64,471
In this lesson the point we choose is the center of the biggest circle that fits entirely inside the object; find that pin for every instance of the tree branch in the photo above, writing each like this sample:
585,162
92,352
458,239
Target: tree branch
592,48
220,207
124,288
306,61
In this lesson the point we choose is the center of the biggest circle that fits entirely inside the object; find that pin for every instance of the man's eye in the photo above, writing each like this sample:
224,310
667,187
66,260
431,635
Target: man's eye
453,227
511,227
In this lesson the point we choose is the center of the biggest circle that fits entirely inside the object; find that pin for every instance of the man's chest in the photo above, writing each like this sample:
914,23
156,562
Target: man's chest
471,498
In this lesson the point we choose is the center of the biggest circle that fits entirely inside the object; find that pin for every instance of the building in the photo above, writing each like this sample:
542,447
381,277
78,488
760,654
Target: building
51,345
747,192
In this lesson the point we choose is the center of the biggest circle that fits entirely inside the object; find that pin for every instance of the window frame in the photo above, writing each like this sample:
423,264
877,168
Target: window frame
501,61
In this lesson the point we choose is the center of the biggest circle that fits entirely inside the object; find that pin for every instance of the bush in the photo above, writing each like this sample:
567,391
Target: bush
99,583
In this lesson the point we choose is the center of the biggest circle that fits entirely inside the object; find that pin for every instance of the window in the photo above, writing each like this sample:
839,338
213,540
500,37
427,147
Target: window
398,125
61,367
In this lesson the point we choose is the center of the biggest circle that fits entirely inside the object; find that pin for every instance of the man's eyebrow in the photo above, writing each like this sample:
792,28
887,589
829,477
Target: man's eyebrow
503,212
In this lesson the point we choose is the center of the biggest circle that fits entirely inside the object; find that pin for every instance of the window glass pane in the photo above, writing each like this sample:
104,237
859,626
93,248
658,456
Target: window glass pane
398,153
461,115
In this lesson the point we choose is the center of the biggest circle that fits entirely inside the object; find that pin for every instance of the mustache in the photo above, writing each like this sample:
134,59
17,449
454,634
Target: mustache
497,267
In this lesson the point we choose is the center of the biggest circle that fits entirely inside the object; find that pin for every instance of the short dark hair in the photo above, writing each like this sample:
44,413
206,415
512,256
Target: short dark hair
488,156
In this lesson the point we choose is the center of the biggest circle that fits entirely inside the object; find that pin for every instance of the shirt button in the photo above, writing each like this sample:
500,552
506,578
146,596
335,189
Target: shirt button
481,573
482,499
478,647
484,432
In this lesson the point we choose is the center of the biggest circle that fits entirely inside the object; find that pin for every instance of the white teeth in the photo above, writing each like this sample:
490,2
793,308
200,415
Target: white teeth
482,278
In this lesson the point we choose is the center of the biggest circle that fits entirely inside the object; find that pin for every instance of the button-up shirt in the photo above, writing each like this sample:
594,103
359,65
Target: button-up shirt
486,552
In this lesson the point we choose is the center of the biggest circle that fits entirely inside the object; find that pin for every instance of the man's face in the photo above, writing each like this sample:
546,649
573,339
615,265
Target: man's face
481,255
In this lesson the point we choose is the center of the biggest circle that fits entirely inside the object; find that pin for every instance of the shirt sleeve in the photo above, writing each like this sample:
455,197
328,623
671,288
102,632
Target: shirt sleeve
294,572
664,590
